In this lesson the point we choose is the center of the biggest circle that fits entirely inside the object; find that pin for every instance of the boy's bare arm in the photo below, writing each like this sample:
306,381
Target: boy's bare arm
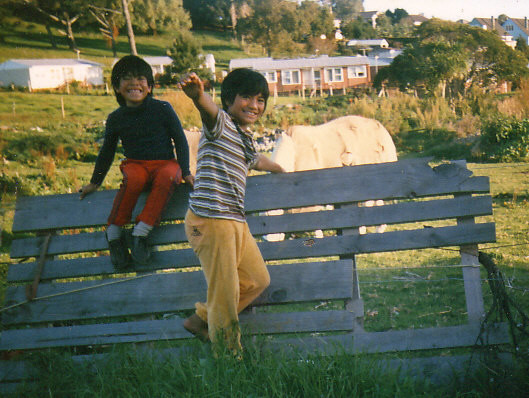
265,164
193,87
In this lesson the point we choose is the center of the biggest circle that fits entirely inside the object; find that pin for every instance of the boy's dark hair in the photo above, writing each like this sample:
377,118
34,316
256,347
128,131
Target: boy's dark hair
130,64
242,81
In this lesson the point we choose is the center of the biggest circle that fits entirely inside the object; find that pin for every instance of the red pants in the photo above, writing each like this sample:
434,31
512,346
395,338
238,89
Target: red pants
162,176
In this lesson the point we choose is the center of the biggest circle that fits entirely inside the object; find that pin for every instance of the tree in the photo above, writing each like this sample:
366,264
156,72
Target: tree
455,56
397,15
358,29
186,54
130,30
502,18
522,47
154,16
282,26
346,9
63,13
266,25
223,14
106,17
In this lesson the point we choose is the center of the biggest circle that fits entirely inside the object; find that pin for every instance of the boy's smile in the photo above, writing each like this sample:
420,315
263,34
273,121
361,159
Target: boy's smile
247,109
134,89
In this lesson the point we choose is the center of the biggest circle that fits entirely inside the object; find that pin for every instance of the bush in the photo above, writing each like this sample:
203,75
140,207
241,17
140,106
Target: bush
505,139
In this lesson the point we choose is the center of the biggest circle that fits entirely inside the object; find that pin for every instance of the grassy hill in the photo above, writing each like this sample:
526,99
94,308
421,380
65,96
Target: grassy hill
29,40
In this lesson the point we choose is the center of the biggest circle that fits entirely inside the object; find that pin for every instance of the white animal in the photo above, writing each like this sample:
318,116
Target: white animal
345,141
193,137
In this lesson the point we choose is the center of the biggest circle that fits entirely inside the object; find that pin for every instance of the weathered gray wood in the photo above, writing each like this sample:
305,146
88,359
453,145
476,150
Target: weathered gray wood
403,179
290,249
428,338
168,329
472,277
350,217
168,292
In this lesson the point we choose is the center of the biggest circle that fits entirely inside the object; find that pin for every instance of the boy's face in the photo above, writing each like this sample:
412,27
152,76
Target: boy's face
133,89
247,109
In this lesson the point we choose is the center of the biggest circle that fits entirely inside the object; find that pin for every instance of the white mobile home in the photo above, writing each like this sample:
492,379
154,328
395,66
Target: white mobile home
49,73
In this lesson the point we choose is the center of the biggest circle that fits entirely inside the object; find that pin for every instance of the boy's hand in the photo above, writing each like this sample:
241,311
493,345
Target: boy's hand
87,190
190,179
192,86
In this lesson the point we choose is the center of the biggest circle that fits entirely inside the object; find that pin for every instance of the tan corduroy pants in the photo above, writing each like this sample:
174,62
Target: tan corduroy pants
235,272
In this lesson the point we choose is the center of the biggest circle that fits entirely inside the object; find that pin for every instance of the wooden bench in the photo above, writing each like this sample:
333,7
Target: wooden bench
68,295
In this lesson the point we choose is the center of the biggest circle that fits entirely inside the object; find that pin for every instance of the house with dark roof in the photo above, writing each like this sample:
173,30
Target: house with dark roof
517,28
322,73
38,74
492,24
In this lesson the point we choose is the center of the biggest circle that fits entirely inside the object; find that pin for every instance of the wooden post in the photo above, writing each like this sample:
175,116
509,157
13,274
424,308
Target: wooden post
355,305
62,107
471,272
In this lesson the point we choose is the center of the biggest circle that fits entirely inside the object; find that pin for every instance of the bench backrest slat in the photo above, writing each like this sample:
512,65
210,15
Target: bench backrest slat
405,212
405,179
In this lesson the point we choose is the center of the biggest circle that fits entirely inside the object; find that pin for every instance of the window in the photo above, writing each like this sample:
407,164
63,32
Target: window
290,77
270,76
334,75
509,28
356,71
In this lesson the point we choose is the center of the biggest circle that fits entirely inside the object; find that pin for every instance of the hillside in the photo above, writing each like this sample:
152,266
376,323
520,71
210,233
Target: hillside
30,40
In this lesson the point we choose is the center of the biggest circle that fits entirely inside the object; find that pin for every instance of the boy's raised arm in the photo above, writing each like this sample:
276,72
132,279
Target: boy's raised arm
193,87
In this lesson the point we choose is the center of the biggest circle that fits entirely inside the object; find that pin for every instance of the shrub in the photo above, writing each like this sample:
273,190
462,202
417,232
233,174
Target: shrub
505,139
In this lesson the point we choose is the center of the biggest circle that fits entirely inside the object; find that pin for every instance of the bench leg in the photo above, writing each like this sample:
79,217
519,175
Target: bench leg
356,305
472,282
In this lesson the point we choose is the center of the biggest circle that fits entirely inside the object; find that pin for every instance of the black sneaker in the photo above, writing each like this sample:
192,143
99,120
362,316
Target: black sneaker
141,251
119,253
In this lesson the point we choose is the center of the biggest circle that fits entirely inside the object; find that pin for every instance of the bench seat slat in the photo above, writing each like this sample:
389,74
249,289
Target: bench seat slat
404,179
289,249
350,217
374,243
169,329
169,292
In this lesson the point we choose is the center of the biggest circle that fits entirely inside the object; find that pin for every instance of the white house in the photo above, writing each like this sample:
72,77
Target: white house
49,73
158,64
369,43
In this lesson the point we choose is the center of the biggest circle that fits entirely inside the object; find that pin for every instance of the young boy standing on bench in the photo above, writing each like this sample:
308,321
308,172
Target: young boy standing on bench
215,224
150,133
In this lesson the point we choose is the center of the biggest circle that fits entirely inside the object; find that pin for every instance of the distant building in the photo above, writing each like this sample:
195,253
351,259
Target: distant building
517,28
492,24
37,74
158,64
368,43
318,73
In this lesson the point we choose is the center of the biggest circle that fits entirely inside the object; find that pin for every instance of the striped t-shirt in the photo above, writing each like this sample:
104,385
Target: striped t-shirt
225,154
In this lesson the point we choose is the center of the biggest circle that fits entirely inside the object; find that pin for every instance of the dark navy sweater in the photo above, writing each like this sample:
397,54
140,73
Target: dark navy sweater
151,131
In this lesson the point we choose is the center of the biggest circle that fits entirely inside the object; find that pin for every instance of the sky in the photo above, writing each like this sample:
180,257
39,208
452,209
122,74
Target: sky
454,10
